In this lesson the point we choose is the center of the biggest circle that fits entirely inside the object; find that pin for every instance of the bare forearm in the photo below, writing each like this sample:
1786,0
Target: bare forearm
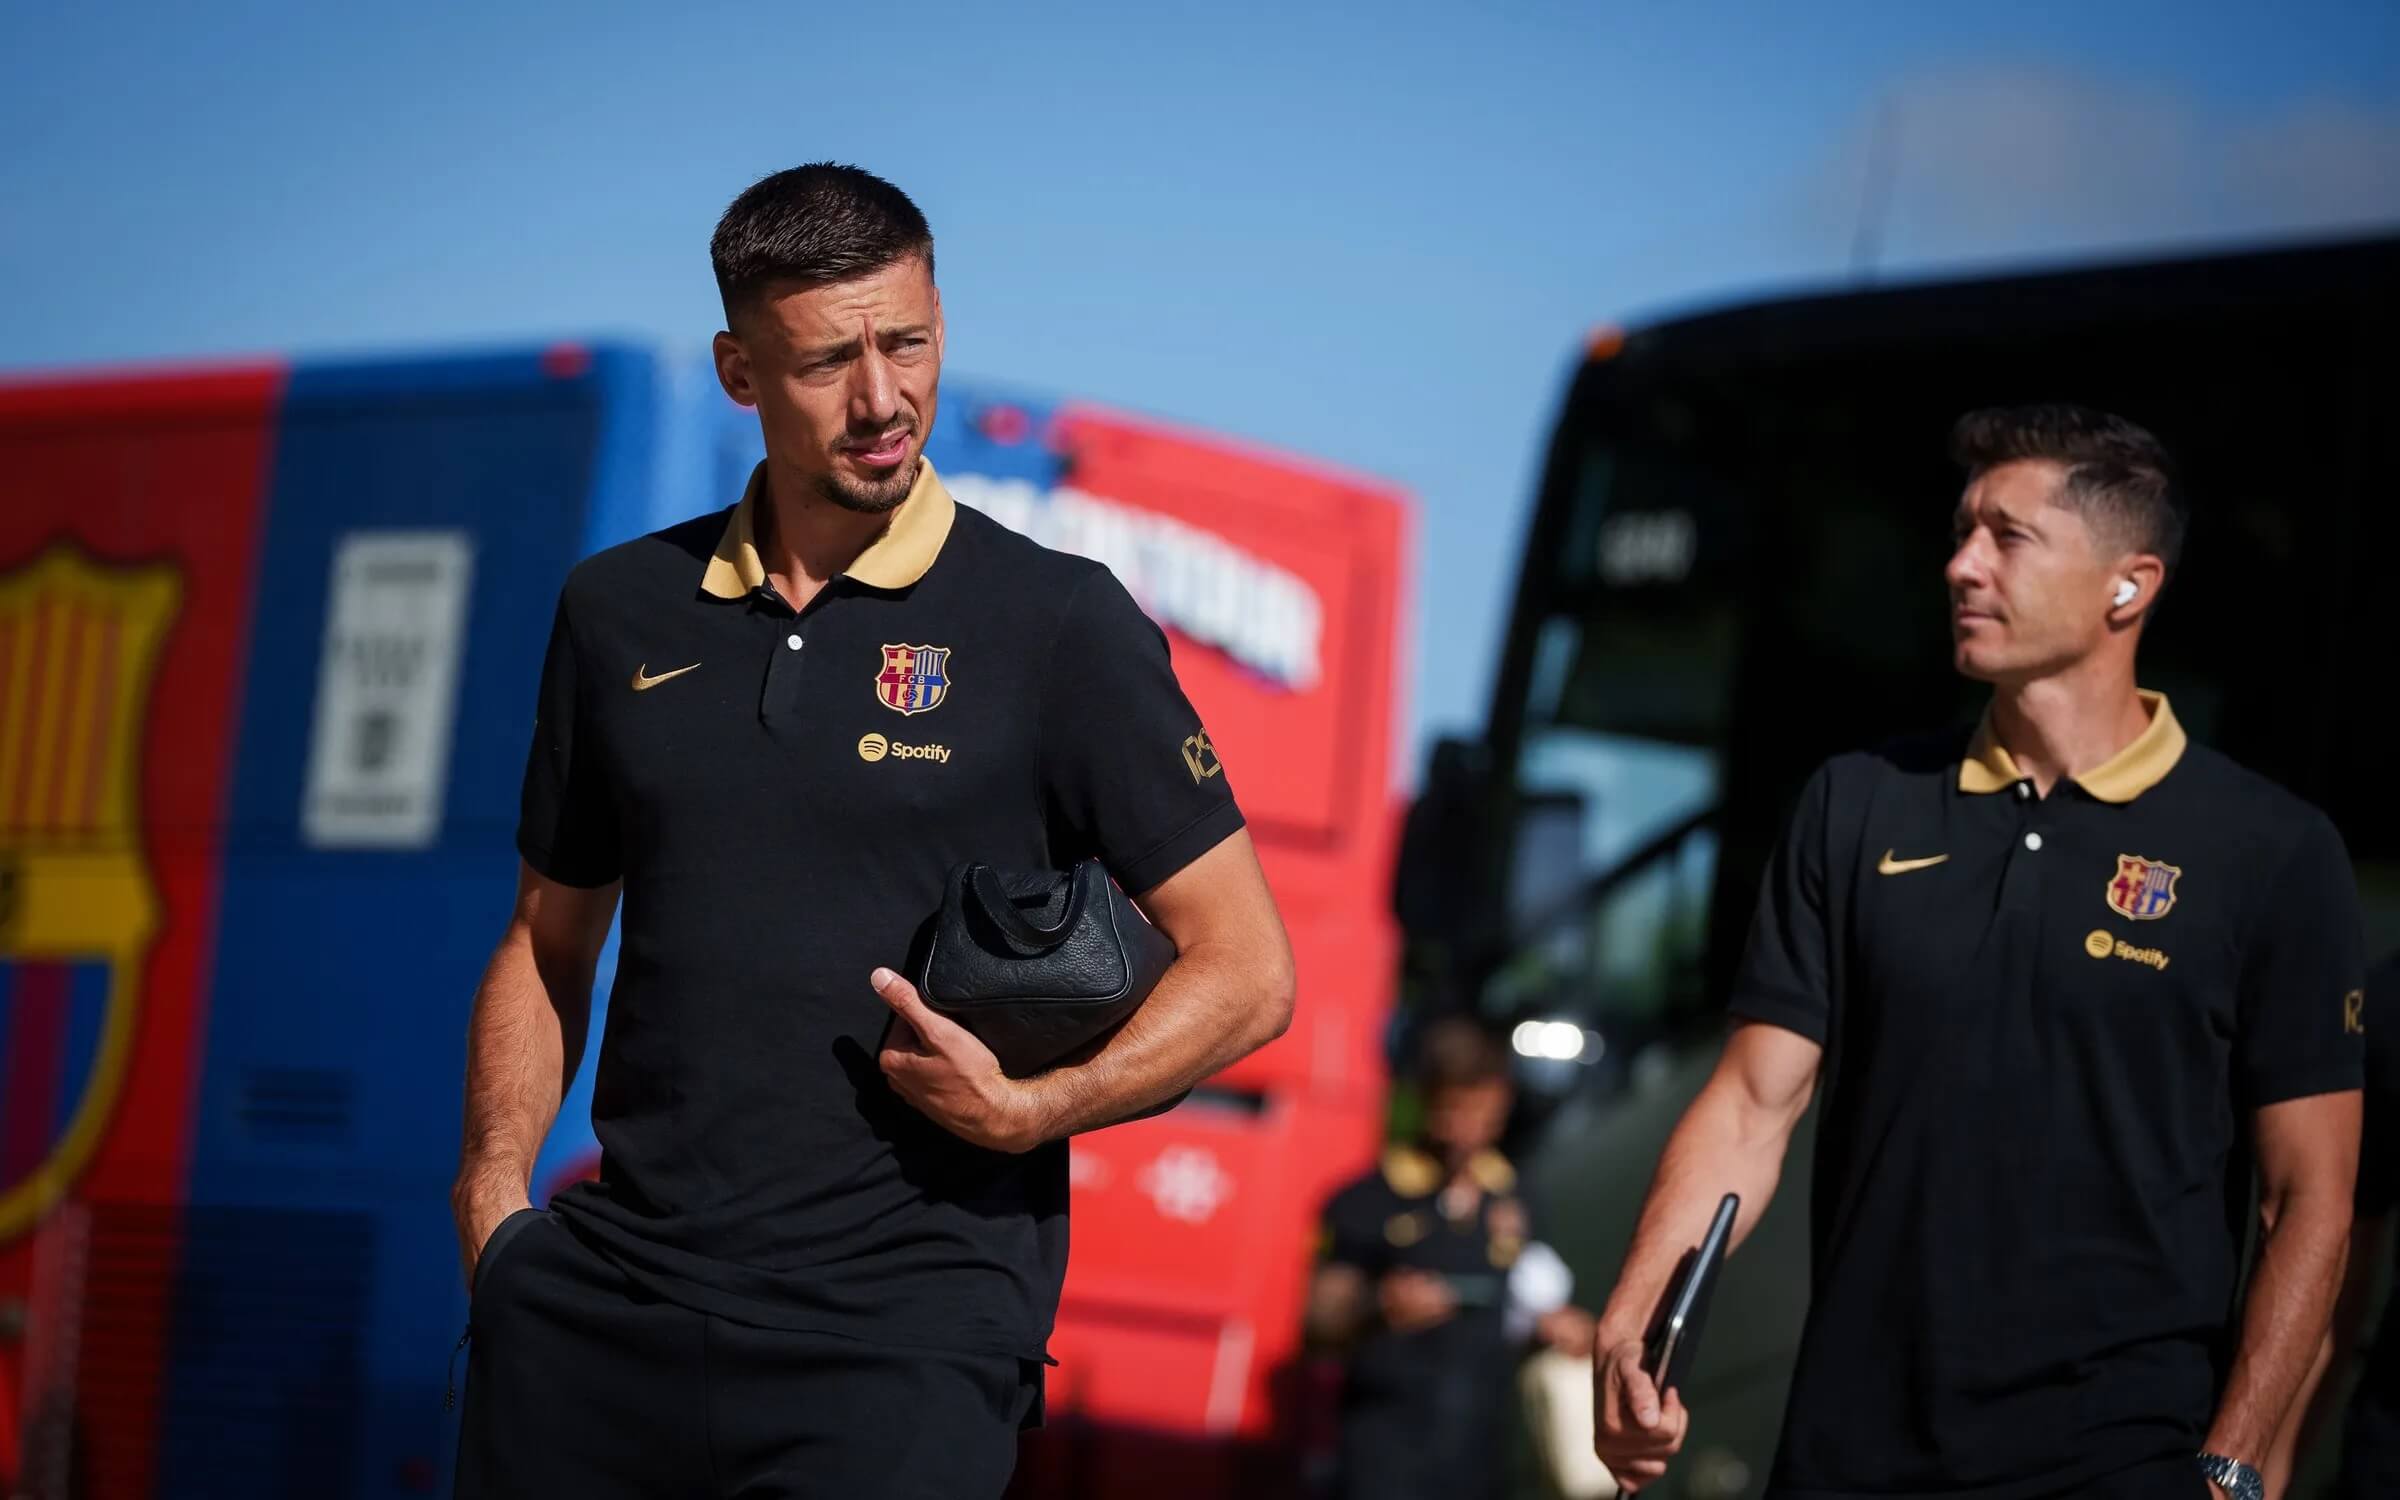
2312,1412
1212,1008
523,1046
1725,1143
2283,1322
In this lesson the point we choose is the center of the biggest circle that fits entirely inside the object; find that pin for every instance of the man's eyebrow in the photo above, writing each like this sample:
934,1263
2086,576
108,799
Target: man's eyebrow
829,350
910,330
1990,513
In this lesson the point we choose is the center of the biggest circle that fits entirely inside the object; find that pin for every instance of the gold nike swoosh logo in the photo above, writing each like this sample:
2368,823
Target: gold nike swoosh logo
643,684
1891,866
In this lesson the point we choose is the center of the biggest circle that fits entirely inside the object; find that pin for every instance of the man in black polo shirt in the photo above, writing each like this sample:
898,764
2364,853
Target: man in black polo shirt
2063,983
1413,1289
825,1248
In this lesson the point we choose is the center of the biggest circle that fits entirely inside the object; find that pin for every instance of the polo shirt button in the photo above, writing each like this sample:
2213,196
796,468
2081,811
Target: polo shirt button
2024,791
792,641
2033,841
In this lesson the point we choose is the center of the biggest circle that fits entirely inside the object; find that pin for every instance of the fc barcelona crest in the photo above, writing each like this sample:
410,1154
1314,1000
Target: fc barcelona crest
2143,889
78,906
914,679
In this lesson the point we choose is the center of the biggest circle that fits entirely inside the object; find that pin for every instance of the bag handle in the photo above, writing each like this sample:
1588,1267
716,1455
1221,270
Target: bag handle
1013,923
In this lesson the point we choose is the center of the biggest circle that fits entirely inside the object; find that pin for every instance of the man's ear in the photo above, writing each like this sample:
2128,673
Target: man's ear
733,368
2145,571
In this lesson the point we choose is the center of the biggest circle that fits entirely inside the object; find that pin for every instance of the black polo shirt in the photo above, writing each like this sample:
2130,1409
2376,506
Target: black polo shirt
782,795
2045,1021
1426,1412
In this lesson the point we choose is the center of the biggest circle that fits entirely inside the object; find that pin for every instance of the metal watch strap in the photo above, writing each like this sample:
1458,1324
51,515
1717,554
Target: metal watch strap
2235,1478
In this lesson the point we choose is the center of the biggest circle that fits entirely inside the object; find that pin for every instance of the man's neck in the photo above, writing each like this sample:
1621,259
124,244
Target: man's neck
2056,728
807,541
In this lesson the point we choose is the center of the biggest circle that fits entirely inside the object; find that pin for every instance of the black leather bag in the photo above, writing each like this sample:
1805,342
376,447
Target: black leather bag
1037,964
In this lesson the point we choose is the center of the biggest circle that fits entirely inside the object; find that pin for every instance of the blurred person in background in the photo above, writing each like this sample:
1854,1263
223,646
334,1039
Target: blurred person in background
1430,1284
2370,1428
825,1248
2063,981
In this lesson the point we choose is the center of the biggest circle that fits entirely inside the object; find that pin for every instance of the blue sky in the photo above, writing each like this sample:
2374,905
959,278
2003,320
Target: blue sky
1374,234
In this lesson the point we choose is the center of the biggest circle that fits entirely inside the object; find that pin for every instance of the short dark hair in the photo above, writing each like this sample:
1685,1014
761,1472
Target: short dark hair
1456,1052
2119,477
812,226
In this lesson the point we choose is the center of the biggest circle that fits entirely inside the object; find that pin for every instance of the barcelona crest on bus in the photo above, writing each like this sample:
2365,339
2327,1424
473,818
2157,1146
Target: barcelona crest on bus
2143,888
79,907
914,678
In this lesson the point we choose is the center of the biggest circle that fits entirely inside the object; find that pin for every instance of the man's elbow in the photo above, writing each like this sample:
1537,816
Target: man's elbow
2324,1211
1270,1013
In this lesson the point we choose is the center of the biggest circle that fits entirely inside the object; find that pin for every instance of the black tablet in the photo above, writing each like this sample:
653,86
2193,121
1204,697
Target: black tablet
1674,1337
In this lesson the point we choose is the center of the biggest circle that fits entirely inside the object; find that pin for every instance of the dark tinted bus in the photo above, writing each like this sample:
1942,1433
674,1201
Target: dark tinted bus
1735,570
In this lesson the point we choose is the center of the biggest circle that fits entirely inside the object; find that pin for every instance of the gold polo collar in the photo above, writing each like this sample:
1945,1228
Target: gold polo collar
1493,1173
2137,768
1410,1172
1414,1172
894,560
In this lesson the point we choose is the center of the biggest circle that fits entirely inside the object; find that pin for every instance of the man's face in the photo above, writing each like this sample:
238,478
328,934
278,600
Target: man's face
845,378
1464,1118
2030,587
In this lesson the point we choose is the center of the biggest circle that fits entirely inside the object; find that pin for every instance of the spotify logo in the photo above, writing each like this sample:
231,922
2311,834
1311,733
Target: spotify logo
874,747
2100,944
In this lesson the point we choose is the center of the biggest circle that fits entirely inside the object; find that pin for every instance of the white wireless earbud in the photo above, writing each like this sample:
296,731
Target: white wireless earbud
2125,591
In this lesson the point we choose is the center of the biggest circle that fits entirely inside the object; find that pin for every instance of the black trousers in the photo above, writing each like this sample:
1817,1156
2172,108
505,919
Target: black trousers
1448,1438
2175,1478
2370,1445
580,1383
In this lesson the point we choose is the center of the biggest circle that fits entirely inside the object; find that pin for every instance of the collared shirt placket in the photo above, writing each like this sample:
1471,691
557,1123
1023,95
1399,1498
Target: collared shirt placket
785,679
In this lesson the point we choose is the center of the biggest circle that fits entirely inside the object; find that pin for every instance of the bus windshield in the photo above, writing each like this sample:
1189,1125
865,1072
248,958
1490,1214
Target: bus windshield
1620,762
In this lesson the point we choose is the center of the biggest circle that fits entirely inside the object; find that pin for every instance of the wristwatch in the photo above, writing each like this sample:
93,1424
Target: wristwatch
2234,1477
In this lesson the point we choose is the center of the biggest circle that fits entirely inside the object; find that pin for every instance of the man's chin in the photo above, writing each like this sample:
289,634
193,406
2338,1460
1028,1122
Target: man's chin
1990,666
1979,663
869,495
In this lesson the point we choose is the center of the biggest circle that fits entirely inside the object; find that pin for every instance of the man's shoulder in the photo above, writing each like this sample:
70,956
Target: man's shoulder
673,557
1076,604
1354,1191
2218,775
2251,806
1923,755
1040,569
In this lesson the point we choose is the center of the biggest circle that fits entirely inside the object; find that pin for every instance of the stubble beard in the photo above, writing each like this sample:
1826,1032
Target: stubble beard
881,497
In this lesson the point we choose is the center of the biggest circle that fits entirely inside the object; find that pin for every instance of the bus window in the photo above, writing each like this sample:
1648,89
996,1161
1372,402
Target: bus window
1619,767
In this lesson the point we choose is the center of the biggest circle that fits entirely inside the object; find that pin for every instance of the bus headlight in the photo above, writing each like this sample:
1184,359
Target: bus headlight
1557,1041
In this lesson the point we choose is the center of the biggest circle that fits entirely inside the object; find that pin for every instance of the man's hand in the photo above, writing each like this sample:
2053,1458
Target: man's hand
1633,1431
479,1213
1412,1300
951,1078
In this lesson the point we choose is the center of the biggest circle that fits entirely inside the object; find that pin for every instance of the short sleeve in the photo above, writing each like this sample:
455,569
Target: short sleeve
2301,1013
567,821
2379,1146
1128,771
1786,975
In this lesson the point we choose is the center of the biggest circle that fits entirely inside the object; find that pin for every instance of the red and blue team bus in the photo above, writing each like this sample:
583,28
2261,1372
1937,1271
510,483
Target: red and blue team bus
269,636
